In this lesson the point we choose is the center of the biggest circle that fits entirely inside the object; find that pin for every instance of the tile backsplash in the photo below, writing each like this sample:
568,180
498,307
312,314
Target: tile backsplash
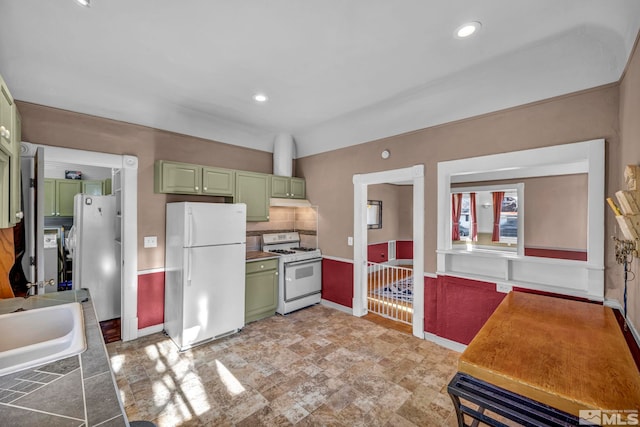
304,220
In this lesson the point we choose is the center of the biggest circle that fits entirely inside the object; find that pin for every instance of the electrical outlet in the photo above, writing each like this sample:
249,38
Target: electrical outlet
350,241
150,241
504,288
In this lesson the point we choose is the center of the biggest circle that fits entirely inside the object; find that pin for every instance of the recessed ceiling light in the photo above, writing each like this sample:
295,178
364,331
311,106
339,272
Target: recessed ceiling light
260,97
467,29
85,3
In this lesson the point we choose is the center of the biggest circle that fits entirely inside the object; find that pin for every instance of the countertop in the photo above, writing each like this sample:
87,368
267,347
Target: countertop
75,391
259,255
570,355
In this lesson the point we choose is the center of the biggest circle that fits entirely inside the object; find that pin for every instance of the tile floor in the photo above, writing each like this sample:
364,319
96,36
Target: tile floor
317,366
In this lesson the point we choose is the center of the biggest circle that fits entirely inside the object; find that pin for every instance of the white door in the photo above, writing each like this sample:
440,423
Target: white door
213,292
216,224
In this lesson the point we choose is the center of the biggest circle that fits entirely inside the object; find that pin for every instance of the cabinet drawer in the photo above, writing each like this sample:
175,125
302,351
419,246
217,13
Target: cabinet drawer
264,265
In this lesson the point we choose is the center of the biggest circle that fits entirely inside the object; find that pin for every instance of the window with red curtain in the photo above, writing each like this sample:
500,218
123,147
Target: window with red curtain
456,210
497,197
473,217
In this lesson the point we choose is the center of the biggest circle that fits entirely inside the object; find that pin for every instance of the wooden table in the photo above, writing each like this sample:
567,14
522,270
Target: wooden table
566,354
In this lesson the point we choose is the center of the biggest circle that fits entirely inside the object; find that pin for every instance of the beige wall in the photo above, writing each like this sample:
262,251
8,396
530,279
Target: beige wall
577,117
51,126
397,213
629,154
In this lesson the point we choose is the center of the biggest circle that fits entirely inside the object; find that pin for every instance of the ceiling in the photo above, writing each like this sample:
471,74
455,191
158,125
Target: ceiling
336,72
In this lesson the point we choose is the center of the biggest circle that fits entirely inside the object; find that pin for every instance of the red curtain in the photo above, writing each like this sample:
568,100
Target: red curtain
456,210
497,196
474,217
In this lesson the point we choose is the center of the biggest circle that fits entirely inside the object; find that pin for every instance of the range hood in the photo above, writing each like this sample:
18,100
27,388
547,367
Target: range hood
283,149
290,203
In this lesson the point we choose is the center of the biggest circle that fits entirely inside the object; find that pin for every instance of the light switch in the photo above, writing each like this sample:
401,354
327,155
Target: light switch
150,241
350,241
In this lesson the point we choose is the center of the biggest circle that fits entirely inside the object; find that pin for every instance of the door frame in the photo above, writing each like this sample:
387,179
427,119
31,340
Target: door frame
129,239
414,175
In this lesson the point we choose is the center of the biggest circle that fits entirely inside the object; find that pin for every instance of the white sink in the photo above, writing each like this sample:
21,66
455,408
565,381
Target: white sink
37,336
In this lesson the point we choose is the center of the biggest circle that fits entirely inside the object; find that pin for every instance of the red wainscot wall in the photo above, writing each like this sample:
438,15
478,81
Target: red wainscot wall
337,282
150,299
379,252
454,308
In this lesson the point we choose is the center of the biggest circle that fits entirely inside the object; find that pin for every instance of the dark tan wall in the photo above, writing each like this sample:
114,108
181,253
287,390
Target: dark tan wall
577,117
51,126
397,214
629,154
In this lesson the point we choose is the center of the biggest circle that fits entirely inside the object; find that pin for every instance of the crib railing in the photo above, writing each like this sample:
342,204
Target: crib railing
390,291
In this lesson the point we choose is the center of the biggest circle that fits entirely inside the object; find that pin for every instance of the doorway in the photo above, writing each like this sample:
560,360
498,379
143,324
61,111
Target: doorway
125,182
412,175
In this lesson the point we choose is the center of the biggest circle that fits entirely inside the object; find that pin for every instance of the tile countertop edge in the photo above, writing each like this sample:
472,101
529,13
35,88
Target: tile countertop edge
93,364
104,348
259,256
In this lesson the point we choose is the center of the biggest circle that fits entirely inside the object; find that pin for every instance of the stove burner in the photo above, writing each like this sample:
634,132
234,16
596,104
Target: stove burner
302,249
282,251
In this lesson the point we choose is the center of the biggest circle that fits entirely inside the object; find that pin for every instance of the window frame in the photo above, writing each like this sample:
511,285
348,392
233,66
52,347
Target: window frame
518,188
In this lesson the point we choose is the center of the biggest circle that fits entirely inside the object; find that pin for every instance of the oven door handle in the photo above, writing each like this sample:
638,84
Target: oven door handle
302,262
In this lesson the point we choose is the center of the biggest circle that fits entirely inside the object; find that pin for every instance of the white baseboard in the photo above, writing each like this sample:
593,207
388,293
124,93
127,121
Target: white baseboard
451,345
151,270
615,304
336,306
150,330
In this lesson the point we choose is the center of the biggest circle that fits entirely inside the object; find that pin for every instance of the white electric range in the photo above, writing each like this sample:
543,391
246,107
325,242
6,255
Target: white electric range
300,278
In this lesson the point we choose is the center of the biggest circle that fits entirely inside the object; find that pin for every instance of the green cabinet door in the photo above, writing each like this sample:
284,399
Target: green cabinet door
66,189
49,197
253,190
106,187
177,178
261,290
6,119
15,208
298,188
280,186
218,182
92,187
4,189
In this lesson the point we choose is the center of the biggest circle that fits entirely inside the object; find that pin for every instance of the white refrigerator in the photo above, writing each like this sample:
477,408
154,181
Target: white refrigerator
204,271
95,252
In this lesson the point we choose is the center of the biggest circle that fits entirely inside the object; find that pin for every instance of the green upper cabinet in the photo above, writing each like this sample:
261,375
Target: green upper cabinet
298,188
286,187
58,196
181,178
15,204
219,182
106,187
66,189
7,119
50,197
280,186
93,187
253,189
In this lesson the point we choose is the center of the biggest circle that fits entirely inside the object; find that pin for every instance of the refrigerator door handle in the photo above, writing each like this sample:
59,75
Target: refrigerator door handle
190,231
189,269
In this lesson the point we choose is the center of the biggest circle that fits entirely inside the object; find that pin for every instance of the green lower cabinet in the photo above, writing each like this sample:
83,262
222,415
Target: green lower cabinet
261,290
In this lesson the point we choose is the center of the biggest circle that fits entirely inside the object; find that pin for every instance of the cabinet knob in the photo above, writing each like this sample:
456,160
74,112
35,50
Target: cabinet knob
196,187
204,188
288,194
19,215
261,265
